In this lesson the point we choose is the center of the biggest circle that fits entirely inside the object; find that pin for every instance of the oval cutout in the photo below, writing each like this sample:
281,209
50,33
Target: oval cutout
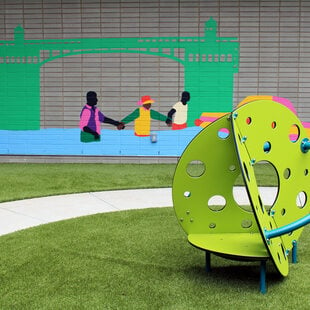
268,183
187,194
294,133
217,203
196,168
212,225
223,133
287,173
246,223
301,199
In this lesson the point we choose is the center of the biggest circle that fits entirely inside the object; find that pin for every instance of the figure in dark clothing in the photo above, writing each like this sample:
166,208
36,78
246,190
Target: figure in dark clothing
91,117
178,113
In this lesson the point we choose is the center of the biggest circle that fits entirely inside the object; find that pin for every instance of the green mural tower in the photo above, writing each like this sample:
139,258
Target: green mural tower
209,72
19,84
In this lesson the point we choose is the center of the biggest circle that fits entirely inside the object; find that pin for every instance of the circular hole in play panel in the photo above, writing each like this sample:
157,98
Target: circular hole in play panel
294,133
267,147
268,186
212,225
217,203
273,125
301,200
287,173
187,194
240,193
306,172
232,168
267,179
283,211
248,120
196,168
241,196
246,223
223,133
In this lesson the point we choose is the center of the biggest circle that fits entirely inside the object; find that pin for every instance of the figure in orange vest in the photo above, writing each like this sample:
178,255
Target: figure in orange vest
142,117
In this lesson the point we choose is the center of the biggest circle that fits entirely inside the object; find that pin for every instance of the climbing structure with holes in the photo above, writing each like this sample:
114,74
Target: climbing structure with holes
204,193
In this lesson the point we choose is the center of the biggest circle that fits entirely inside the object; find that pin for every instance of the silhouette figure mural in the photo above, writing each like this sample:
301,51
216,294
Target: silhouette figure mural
91,117
177,116
142,117
209,63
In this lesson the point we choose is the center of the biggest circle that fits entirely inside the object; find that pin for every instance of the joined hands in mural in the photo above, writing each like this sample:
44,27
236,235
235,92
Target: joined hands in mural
91,117
143,115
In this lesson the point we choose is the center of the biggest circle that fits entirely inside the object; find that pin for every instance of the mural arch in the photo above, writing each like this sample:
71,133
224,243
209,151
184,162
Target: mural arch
209,65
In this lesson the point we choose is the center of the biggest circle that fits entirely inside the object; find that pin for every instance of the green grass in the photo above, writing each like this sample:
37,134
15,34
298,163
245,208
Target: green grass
136,260
20,181
131,259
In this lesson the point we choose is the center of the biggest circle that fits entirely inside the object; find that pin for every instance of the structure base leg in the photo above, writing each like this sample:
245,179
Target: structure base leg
263,288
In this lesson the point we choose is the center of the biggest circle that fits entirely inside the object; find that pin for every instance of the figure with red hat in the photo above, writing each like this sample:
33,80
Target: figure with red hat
142,117
91,117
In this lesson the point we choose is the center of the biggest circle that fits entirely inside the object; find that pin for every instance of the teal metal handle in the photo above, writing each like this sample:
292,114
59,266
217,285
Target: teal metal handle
269,234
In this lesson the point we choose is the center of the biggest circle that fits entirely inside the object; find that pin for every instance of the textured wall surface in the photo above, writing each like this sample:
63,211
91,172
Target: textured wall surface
274,50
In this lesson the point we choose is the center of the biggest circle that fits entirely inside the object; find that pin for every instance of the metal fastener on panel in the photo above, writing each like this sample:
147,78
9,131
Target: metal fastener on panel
305,145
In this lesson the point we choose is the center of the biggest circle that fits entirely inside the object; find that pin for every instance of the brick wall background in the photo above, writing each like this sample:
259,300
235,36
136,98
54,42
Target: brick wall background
274,41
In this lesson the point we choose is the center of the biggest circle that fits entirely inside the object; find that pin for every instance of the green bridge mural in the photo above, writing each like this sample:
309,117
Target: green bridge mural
209,66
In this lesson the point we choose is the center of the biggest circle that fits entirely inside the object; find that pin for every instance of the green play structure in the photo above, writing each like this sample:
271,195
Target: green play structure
260,131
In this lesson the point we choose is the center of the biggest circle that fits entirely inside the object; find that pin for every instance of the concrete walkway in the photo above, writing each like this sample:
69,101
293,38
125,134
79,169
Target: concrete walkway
21,214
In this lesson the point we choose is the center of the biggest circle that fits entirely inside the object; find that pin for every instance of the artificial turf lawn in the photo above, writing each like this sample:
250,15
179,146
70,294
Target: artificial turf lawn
20,181
136,260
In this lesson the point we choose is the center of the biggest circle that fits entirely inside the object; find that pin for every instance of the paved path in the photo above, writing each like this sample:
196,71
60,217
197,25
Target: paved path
21,214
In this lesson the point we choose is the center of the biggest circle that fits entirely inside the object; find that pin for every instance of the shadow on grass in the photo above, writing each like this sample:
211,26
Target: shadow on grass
240,275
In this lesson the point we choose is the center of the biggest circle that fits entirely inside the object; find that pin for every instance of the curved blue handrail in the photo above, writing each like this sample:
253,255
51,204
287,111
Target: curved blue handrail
269,234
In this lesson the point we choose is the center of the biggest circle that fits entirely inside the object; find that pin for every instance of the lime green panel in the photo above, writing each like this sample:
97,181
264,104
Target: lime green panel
242,245
193,192
263,131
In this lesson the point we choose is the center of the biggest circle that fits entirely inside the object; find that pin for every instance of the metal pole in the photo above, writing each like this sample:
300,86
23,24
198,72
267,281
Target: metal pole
294,252
269,234
262,284
208,261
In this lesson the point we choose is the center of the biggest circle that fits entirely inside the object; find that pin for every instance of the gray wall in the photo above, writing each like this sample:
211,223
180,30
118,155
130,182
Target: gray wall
274,50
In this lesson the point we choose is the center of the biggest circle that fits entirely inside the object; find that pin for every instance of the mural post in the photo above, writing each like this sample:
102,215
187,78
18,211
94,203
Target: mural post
19,84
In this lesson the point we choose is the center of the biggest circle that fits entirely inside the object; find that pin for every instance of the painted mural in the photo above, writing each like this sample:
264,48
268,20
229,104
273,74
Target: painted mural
209,62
